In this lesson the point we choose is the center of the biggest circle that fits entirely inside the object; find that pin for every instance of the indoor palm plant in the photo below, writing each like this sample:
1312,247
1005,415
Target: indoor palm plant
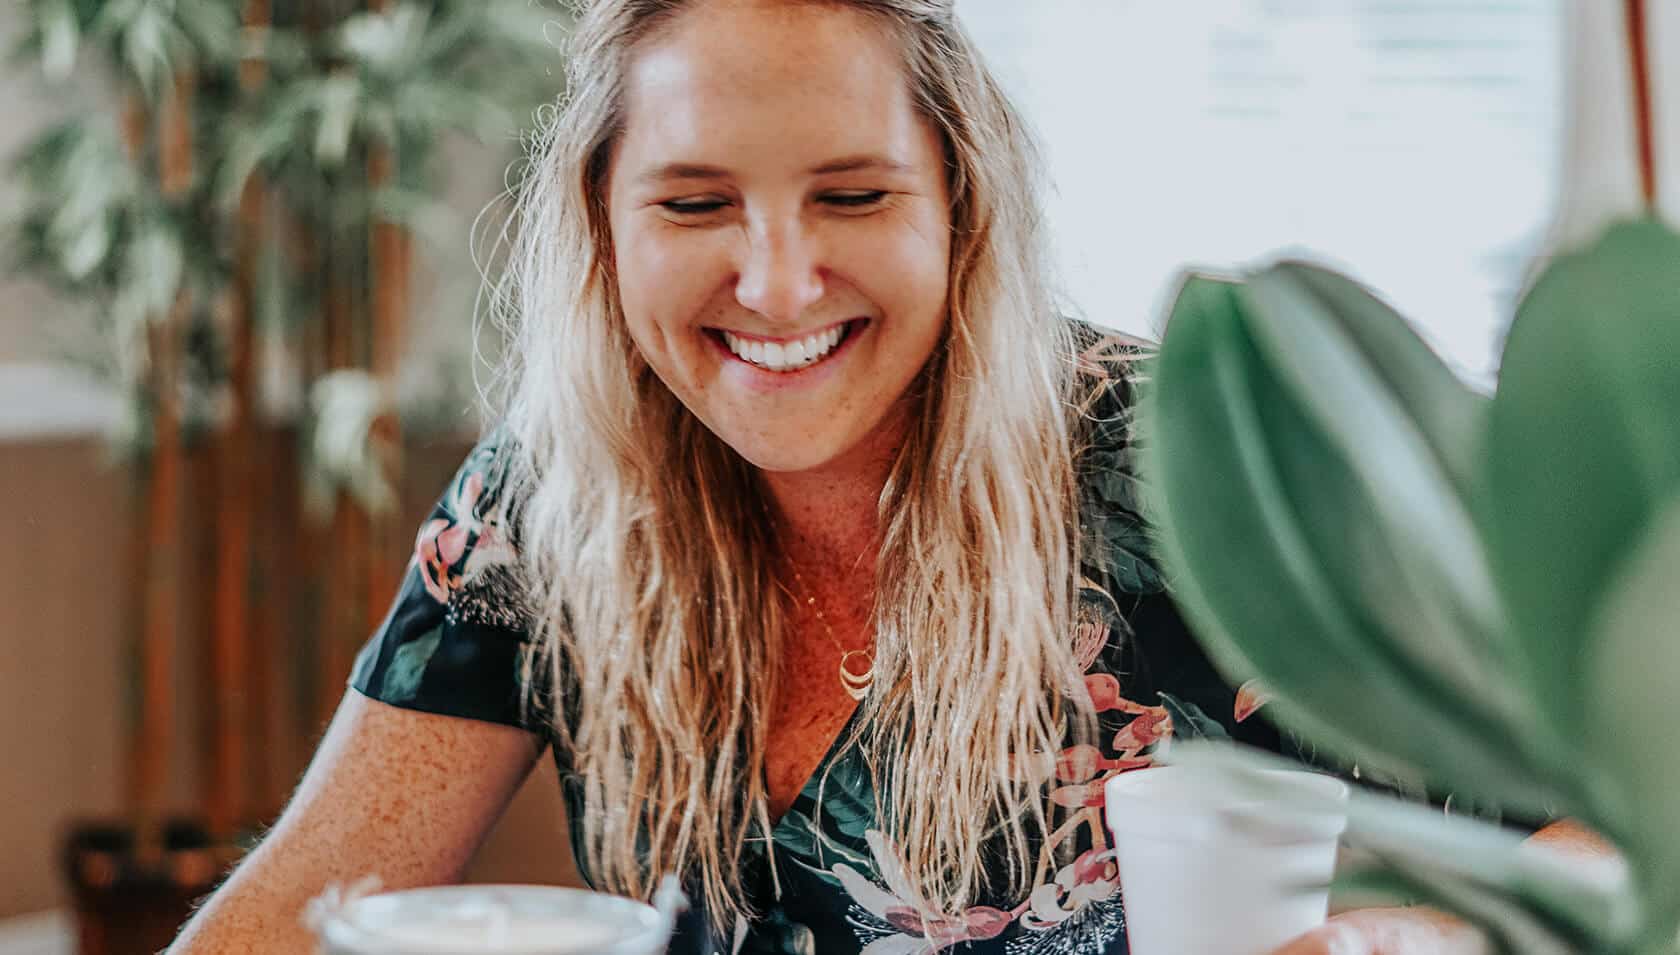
1475,593
259,176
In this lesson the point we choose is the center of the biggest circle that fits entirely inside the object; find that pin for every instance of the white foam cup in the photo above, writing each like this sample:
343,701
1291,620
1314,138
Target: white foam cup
1220,869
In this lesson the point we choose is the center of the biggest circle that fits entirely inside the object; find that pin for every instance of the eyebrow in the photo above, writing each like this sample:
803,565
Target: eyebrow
685,170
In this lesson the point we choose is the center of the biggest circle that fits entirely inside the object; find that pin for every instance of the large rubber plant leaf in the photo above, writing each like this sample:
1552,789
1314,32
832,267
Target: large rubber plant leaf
1592,907
1423,574
1632,680
1583,442
1252,584
1450,415
1510,926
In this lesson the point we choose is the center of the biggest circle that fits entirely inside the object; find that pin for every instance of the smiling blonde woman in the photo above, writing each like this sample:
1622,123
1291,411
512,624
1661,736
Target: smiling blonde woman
807,539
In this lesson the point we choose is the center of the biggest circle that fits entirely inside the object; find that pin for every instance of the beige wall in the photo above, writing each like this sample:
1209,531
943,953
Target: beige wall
61,691
65,591
66,574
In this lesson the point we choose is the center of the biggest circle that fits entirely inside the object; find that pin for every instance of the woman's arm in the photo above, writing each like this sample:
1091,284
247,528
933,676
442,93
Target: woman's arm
401,794
1424,931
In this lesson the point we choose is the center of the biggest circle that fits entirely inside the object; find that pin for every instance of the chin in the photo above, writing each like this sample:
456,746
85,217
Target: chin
787,457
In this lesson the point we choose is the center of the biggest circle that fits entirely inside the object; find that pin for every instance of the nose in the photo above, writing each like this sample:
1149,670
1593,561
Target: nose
781,272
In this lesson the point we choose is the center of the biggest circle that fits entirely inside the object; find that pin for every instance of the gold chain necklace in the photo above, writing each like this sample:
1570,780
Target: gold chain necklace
855,683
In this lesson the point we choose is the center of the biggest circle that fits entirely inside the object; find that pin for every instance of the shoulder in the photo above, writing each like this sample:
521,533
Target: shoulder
1106,366
1115,544
457,639
465,552
1141,643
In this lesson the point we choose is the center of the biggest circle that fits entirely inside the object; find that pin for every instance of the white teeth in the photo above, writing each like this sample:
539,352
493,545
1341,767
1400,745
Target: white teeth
791,356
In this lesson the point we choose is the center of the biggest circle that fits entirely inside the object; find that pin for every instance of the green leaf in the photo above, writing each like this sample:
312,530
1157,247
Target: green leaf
388,42
1125,552
1432,850
408,665
1573,895
1449,415
212,27
421,211
244,154
1512,927
845,795
154,267
60,37
377,121
430,104
1583,444
145,46
1236,474
1189,722
1632,679
338,98
83,253
1342,359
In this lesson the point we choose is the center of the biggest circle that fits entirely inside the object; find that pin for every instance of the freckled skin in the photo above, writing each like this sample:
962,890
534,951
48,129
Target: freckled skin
811,707
768,91
405,795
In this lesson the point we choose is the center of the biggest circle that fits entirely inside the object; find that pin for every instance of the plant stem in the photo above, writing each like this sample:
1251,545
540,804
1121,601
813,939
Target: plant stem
1640,50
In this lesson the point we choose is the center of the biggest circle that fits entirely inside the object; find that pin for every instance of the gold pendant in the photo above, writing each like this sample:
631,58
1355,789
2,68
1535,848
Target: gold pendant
857,684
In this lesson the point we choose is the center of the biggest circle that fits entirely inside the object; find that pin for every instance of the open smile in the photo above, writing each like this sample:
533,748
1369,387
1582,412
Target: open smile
784,356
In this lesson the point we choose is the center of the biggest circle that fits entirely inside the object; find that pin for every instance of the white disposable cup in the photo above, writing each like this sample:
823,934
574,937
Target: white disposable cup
500,919
1209,869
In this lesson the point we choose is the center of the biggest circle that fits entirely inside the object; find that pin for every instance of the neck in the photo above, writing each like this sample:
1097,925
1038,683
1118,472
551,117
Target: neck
828,517
826,524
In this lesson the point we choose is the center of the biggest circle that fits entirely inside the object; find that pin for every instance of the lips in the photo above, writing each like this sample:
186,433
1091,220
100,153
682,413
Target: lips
786,354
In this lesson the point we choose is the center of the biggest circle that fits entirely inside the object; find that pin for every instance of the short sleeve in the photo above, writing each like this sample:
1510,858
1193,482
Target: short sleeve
457,639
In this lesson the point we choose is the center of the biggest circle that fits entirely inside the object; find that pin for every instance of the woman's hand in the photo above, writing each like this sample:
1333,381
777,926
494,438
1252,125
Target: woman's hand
1408,931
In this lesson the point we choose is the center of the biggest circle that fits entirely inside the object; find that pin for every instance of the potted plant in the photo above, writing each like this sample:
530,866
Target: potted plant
1472,592
263,174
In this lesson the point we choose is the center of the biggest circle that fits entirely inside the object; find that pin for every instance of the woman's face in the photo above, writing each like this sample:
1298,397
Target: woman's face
781,228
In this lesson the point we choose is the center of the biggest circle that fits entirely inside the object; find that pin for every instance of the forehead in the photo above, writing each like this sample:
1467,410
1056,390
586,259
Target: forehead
733,81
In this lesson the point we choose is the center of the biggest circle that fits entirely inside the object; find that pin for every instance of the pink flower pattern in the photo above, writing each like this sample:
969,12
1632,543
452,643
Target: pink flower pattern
442,543
1056,901
456,644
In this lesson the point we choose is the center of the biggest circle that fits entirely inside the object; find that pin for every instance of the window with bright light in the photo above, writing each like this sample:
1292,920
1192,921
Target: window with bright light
1411,143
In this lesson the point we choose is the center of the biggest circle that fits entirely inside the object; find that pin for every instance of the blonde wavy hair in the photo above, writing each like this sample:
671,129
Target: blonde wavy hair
649,566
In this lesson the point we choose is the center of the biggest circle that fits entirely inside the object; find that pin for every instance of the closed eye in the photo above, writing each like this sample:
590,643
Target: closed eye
691,208
857,199
847,200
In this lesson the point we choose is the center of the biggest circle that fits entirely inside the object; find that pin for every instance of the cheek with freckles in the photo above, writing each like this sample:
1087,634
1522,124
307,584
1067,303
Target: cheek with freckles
664,287
889,267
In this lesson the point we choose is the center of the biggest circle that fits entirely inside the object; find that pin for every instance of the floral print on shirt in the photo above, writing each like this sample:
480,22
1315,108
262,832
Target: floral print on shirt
455,642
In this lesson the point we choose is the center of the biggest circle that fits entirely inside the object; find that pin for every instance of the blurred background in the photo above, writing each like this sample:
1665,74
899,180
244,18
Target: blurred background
237,349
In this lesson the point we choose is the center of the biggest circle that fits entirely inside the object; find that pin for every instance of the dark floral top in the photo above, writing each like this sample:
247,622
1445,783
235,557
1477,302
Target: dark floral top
453,644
